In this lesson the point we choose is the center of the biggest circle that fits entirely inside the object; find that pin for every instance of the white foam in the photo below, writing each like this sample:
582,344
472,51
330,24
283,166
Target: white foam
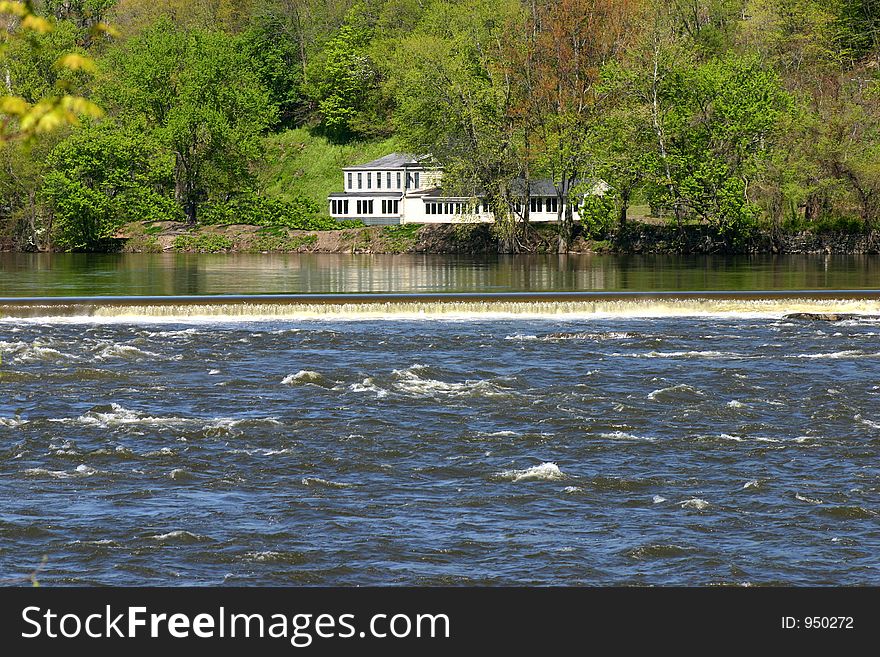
109,351
835,355
623,435
369,385
35,352
804,498
657,499
12,422
431,310
178,535
81,470
303,376
412,382
733,403
119,415
543,472
680,388
323,483
695,503
753,483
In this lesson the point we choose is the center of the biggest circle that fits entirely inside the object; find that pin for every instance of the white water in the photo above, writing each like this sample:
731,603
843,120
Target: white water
452,310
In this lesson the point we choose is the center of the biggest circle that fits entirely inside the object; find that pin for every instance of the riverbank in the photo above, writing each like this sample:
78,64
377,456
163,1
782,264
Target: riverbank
636,237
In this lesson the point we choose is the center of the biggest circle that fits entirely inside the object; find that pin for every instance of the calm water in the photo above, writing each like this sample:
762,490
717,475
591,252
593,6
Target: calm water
181,274
719,445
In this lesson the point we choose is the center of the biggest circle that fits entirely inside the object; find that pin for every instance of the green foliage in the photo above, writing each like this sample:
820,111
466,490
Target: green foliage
281,242
202,243
100,178
723,123
343,82
276,59
299,214
597,213
198,94
740,114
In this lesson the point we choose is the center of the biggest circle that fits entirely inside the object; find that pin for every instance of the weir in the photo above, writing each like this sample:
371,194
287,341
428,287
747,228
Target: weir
803,304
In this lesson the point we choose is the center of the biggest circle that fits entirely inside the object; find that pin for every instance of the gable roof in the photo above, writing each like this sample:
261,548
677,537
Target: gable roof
390,161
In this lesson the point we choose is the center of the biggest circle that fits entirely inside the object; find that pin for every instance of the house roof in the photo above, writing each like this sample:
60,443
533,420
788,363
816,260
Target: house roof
390,161
357,193
537,187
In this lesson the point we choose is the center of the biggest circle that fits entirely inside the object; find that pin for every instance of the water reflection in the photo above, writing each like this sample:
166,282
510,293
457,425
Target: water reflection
176,274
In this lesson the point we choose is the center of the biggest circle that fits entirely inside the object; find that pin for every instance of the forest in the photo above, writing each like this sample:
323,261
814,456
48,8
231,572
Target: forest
748,116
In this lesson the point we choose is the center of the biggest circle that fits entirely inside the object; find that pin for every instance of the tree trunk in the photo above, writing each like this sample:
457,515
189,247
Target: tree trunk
184,189
565,229
624,207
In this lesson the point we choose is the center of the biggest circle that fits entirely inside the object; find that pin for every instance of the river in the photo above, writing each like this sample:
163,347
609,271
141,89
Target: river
668,440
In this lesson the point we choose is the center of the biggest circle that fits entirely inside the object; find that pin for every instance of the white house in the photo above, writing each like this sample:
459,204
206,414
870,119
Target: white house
400,188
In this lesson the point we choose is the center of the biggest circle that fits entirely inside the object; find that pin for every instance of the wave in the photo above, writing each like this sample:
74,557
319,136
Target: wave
303,376
695,503
623,435
179,536
80,471
323,483
109,351
444,306
34,352
543,472
557,337
413,382
676,391
116,415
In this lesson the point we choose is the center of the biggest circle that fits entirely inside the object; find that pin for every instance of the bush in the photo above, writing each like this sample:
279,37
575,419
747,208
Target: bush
597,213
202,243
300,214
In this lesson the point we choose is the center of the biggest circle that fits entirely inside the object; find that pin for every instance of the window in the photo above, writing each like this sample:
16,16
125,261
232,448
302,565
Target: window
398,180
553,204
485,206
408,180
369,180
369,207
344,207
332,207
396,207
379,180
388,180
359,208
537,205
360,181
349,179
417,180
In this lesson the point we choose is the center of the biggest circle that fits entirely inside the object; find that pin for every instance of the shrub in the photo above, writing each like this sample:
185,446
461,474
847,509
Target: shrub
202,243
300,214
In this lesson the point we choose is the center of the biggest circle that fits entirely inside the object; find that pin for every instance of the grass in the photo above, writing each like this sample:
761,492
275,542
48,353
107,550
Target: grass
298,162
399,239
202,243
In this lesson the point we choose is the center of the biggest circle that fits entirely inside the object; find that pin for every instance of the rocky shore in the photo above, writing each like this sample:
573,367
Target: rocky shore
634,238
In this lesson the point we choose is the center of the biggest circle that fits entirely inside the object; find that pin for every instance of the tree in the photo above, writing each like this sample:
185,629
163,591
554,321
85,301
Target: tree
197,92
721,127
455,100
573,40
344,82
102,176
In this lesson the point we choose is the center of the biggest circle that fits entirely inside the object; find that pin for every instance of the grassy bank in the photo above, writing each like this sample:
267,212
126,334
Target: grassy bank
300,162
